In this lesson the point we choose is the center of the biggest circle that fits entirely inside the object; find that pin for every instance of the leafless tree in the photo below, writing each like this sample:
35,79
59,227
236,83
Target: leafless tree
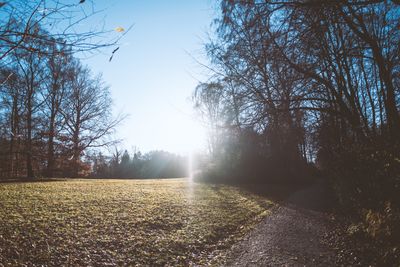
57,82
39,41
310,76
87,114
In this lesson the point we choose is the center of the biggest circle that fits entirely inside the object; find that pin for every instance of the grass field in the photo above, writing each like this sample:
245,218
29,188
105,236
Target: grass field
123,222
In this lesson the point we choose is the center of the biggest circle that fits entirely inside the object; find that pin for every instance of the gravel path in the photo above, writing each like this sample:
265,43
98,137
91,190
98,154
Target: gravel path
293,235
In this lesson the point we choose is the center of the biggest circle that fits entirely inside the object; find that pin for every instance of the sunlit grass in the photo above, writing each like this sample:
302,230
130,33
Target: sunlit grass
100,222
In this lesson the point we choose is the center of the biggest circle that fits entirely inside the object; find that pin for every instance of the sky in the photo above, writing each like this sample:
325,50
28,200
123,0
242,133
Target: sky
154,73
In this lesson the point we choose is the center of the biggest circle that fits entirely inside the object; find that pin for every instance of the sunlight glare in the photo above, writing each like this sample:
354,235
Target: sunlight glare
190,166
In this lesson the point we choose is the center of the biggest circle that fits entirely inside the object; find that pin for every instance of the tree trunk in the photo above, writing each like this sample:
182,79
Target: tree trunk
29,167
50,148
76,154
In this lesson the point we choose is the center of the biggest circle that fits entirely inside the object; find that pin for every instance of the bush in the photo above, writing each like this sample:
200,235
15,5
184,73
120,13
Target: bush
366,181
365,176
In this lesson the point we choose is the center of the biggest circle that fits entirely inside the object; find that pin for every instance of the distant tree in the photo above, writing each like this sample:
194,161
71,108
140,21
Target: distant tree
161,164
125,166
100,166
209,102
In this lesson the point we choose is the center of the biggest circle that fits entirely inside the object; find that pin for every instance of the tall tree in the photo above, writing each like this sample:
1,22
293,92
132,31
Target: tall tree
309,74
58,80
31,69
87,115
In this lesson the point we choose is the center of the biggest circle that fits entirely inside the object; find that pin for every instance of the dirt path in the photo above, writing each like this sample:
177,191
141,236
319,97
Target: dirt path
293,235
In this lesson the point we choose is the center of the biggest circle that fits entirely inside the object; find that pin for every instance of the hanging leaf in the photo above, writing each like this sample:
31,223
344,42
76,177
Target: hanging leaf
119,29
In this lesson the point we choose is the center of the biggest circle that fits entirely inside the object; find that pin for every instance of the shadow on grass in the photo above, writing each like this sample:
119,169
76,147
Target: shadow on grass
31,180
316,196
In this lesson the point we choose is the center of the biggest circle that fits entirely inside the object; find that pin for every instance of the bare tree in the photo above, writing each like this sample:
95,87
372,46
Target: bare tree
31,69
309,76
87,114
59,72
11,110
38,42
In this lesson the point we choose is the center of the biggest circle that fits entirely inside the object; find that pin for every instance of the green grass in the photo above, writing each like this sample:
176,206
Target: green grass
123,222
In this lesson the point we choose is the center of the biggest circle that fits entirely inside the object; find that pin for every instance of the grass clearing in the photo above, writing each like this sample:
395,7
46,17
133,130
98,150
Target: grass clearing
123,222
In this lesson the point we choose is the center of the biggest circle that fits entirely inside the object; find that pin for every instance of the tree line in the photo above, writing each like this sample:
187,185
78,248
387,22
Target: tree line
302,90
154,164
299,87
53,109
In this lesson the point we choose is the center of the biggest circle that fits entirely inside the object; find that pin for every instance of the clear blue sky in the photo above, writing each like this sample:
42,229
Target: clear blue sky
152,76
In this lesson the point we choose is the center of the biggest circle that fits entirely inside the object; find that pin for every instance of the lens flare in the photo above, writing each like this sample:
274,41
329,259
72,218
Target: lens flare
190,166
